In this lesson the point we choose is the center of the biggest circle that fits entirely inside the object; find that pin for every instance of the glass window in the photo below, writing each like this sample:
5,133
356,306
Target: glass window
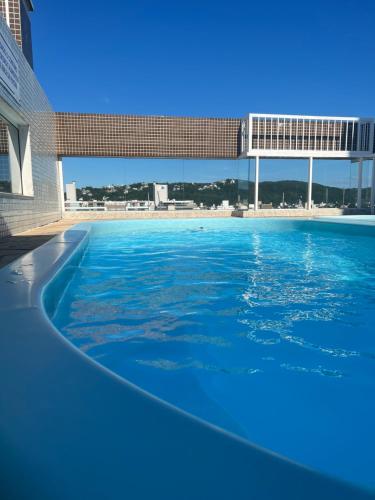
12,156
335,184
245,184
282,183
5,179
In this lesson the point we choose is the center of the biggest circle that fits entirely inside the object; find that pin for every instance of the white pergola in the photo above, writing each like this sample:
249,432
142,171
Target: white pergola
310,137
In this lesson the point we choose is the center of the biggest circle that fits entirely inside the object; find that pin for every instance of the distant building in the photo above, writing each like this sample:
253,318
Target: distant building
178,205
135,205
71,192
160,194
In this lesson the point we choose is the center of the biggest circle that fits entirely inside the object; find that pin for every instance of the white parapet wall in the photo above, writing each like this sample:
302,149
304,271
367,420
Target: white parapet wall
196,214
297,212
154,214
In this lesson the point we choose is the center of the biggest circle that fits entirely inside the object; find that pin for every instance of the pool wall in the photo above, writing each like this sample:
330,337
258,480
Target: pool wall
71,429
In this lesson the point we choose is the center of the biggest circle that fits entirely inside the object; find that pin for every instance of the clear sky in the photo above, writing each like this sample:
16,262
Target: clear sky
202,58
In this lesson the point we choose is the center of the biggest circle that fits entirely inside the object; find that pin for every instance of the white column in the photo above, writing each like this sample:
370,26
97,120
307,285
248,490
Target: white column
26,160
359,189
373,187
250,134
309,184
61,185
7,16
14,159
256,185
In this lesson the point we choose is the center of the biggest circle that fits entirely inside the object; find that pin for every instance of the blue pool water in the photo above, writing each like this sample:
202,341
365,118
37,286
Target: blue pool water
262,327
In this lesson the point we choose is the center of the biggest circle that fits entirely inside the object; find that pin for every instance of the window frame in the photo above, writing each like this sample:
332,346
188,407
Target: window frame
19,157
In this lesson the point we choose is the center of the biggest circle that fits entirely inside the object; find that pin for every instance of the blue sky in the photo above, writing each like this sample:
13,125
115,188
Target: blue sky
203,58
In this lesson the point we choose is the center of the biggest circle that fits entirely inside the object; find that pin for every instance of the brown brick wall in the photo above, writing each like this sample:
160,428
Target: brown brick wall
146,136
14,18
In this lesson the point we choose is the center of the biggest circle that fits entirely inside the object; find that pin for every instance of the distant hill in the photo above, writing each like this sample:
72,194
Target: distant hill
229,189
272,192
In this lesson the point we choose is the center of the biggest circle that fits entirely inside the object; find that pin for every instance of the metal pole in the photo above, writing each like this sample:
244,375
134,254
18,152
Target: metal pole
309,185
359,189
256,186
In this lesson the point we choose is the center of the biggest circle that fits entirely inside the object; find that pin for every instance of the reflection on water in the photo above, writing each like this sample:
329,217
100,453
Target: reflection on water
166,364
189,315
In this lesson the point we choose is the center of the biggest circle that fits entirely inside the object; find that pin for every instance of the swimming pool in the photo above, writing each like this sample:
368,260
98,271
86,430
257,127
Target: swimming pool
261,327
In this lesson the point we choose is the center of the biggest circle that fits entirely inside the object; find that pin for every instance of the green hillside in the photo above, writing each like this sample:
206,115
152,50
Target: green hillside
230,189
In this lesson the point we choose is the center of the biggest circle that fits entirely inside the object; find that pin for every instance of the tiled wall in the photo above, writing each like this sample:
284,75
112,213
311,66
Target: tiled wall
14,18
146,136
19,23
2,8
18,213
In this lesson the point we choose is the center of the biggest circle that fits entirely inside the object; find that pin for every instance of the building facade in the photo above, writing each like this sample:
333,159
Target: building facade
29,181
17,16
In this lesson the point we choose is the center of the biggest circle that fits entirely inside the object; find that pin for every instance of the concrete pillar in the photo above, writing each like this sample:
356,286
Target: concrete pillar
372,187
359,189
25,160
309,184
7,13
256,185
61,184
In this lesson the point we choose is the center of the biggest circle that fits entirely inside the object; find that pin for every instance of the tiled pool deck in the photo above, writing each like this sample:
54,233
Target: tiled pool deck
15,246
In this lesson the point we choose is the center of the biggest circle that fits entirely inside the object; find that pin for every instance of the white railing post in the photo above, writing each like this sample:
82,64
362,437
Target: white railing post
309,184
256,184
359,189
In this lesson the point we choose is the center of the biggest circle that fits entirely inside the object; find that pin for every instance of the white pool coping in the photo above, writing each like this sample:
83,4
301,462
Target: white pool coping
363,220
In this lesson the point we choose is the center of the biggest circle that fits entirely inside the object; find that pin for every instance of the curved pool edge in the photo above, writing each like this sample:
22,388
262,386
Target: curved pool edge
73,429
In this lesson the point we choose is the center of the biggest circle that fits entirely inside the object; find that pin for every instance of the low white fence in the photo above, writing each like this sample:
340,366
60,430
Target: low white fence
108,206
